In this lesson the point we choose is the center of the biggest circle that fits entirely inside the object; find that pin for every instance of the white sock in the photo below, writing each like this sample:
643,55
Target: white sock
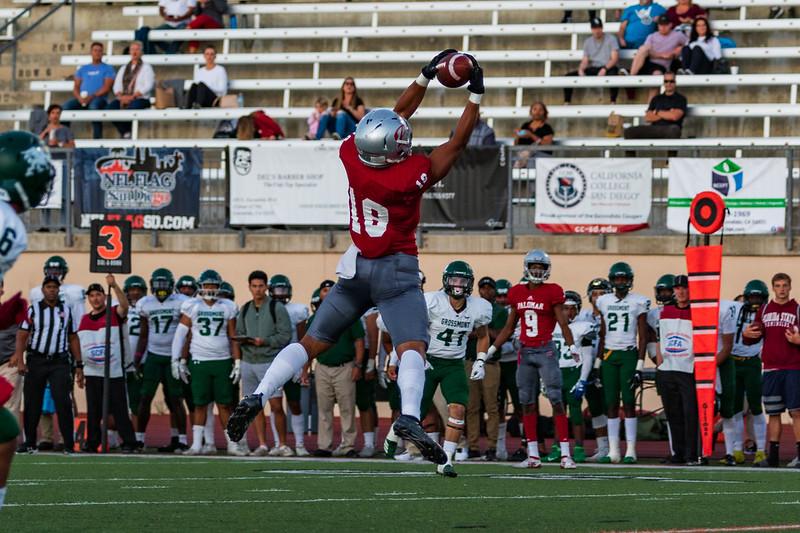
602,445
2,496
450,449
139,437
760,430
411,381
287,363
209,427
275,436
434,435
630,436
533,449
197,436
298,428
369,439
613,436
502,428
729,430
182,438
173,432
738,427
564,448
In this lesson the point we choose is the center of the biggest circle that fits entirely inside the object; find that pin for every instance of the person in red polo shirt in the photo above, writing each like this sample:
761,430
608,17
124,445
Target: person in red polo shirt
777,323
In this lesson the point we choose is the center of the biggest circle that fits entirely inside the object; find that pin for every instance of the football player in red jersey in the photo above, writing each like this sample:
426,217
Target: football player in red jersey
386,183
540,305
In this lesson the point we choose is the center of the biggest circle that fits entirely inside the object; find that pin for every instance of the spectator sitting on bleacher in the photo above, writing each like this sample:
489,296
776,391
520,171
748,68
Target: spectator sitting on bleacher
536,130
600,56
703,49
345,112
659,50
665,114
208,16
637,22
133,87
57,134
176,15
210,82
258,125
92,84
683,14
320,106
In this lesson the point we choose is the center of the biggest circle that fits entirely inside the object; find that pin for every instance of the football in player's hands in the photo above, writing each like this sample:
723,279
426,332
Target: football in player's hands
429,70
454,70
475,77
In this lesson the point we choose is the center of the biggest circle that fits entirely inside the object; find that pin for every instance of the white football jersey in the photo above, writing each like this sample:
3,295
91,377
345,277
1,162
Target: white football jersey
448,328
162,321
210,340
297,313
370,311
743,318
579,331
587,315
621,319
133,323
72,295
727,320
13,239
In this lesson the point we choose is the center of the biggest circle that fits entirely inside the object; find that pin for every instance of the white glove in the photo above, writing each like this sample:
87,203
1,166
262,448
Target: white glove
478,372
575,352
236,373
180,370
383,380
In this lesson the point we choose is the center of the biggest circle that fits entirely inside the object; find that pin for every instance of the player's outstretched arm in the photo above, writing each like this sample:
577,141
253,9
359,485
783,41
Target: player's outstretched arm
504,334
444,157
409,101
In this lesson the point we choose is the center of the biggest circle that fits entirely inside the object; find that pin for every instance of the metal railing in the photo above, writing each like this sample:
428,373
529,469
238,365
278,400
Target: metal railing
521,211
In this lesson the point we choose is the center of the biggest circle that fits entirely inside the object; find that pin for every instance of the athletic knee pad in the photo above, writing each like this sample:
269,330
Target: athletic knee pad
455,423
599,421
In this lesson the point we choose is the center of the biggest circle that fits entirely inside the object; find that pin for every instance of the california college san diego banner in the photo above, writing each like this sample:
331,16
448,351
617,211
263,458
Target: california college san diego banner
754,190
153,188
295,185
592,195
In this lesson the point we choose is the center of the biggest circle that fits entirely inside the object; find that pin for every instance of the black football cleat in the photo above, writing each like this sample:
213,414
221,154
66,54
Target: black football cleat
241,417
408,428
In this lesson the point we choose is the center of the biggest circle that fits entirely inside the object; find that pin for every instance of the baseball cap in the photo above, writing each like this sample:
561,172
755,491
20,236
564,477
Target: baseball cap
681,280
51,279
95,287
327,283
596,23
663,19
486,280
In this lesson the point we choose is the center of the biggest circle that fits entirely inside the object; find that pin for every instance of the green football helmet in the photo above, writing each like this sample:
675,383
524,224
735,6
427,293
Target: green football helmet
26,173
621,270
226,291
457,279
315,299
186,282
756,294
598,284
572,299
209,282
502,286
56,267
162,283
280,288
134,282
664,288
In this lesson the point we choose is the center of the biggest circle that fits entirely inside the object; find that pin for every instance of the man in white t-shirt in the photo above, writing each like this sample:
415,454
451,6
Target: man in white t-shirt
176,15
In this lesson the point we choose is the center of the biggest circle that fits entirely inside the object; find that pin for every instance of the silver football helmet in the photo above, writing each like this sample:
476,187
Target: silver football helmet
536,266
383,137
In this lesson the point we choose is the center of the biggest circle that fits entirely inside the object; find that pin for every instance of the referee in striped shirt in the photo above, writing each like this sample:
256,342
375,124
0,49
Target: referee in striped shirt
49,334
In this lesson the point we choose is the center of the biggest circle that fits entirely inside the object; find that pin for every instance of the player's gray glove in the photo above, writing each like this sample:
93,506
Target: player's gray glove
383,379
236,373
181,371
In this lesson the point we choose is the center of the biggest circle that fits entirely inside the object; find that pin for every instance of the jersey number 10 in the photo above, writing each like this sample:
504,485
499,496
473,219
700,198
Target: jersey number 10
373,214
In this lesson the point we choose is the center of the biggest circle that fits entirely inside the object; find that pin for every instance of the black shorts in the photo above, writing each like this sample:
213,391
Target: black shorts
781,391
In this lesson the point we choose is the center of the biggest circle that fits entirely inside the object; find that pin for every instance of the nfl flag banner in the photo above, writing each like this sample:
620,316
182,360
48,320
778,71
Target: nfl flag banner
592,195
754,191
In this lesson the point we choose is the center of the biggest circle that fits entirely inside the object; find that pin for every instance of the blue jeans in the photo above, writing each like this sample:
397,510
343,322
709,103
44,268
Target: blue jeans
97,103
343,124
125,127
169,47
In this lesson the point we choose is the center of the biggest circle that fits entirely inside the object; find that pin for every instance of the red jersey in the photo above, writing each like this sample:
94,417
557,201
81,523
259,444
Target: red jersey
778,353
384,202
534,307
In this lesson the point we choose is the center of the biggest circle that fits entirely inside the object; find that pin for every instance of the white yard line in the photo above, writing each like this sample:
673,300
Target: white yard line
781,527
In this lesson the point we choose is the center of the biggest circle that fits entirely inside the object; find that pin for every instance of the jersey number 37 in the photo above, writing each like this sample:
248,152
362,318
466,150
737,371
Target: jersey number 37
374,216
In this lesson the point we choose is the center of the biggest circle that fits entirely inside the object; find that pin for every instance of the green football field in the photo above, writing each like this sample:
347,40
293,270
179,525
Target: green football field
149,493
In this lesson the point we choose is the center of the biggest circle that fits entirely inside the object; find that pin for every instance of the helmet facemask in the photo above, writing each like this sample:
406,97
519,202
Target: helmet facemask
209,291
459,287
161,288
537,272
281,293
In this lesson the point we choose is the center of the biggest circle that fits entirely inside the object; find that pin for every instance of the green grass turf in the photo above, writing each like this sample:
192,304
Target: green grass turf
56,493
